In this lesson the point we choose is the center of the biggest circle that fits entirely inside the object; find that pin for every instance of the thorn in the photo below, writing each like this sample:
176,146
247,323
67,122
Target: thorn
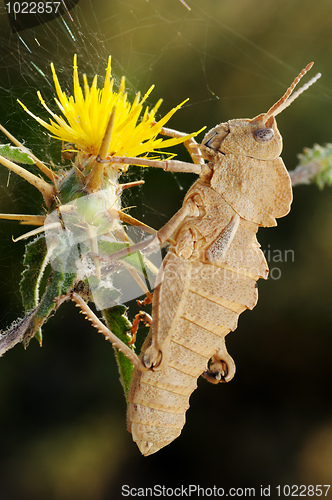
47,171
38,230
46,189
131,184
33,220
107,137
135,222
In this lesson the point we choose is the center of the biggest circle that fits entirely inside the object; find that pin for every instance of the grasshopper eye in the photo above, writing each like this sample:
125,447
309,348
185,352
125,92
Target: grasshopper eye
264,134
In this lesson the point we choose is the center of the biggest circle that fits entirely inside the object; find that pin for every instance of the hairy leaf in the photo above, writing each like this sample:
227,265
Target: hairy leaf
15,154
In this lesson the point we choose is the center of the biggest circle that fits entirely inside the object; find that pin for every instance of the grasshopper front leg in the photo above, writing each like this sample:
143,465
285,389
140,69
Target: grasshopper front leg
167,165
161,236
192,146
140,316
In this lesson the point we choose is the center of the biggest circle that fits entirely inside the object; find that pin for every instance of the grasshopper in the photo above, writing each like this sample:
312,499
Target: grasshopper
210,272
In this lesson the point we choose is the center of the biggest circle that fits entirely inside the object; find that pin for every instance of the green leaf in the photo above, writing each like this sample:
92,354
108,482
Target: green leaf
117,321
134,259
35,260
15,154
23,330
59,283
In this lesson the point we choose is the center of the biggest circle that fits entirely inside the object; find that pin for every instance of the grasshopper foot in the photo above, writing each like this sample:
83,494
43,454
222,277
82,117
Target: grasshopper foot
152,357
221,369
141,316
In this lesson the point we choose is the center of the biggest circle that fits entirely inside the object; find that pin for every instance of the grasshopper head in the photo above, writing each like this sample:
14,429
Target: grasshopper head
258,137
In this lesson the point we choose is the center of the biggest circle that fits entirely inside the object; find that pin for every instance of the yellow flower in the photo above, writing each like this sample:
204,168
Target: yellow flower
86,113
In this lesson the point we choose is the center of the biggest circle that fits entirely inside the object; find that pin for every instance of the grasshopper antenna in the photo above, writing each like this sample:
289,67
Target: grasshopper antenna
286,100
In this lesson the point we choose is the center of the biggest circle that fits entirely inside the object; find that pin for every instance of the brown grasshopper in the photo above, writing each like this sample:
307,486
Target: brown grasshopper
210,272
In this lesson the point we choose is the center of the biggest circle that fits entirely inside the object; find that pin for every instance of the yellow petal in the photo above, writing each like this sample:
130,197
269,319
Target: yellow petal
84,115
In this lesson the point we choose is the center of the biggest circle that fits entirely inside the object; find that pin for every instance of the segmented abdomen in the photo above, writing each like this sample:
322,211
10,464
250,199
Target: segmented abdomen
195,306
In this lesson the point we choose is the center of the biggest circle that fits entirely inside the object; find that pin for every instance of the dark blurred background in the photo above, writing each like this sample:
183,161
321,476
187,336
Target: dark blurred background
62,410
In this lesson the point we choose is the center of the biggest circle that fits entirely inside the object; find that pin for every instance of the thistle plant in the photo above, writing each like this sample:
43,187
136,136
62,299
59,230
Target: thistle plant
84,221
315,166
